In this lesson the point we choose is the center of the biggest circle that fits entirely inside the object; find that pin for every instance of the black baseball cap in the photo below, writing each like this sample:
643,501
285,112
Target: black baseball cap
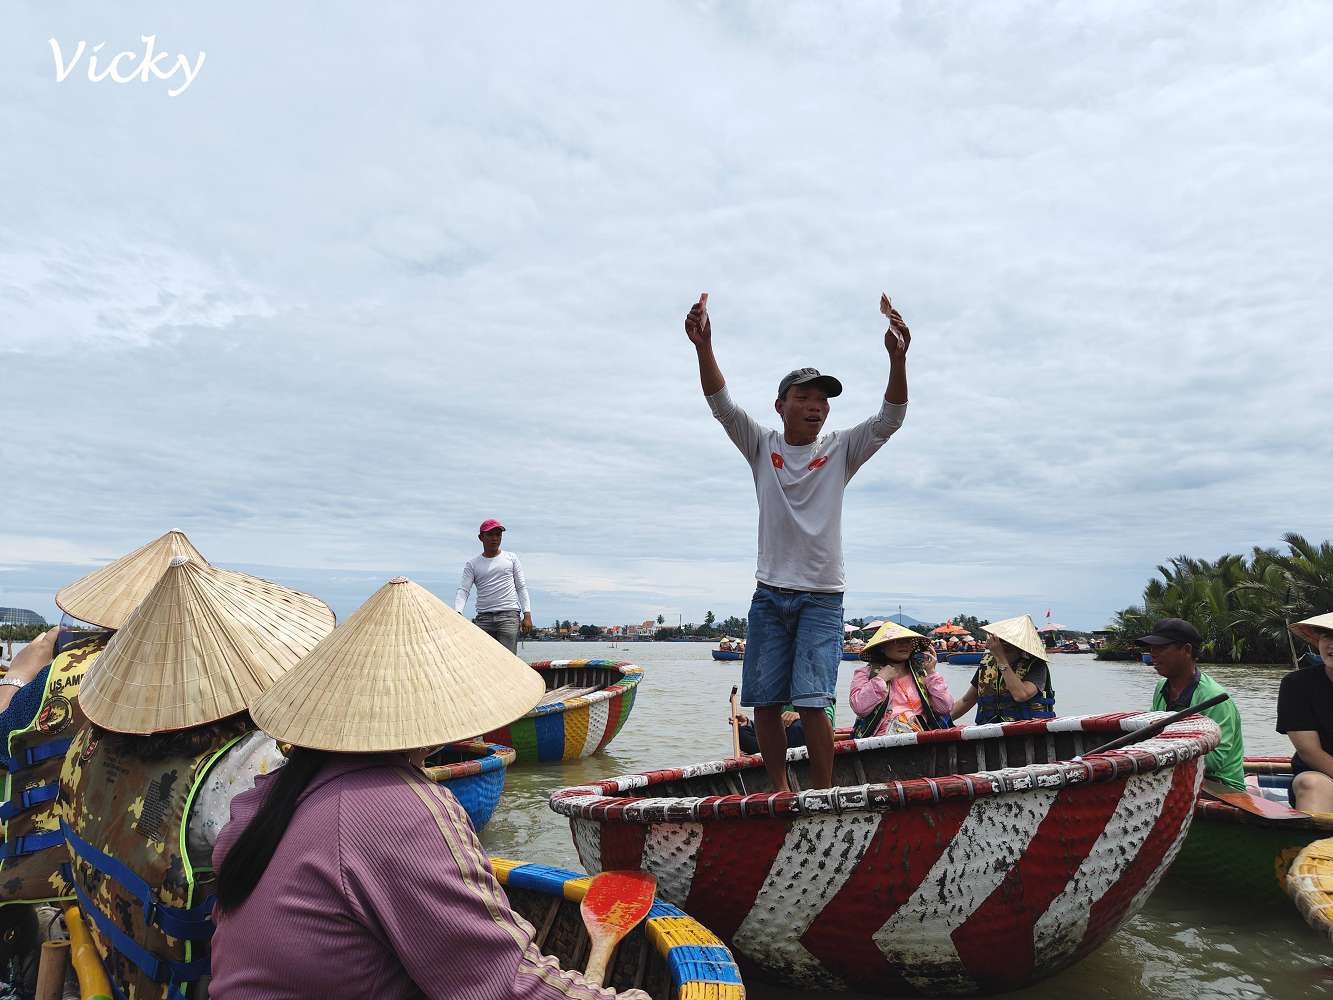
804,376
1170,630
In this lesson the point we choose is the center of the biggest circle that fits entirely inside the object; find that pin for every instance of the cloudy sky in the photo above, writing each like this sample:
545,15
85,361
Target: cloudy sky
383,271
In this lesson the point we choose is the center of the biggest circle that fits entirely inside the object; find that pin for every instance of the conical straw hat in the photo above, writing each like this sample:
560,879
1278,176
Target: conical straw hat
106,596
202,646
404,671
890,631
1020,632
1305,629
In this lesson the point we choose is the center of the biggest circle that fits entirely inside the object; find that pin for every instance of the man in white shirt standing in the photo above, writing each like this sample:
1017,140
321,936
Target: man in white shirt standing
502,594
793,640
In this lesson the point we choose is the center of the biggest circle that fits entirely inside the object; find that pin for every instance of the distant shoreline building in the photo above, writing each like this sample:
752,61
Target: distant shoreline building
20,616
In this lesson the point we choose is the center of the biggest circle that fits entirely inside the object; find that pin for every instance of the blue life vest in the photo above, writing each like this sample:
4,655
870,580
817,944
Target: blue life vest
996,704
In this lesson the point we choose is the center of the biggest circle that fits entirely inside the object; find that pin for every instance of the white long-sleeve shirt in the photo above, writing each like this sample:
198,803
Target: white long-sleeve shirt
499,582
799,488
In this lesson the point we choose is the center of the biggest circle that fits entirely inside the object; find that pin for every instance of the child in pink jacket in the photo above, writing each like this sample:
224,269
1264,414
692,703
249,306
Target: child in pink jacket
898,690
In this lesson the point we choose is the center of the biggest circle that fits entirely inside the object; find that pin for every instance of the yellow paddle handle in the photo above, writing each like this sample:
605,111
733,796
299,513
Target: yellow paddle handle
93,983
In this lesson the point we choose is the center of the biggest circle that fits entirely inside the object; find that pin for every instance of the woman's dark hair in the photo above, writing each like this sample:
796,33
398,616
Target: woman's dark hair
178,743
249,856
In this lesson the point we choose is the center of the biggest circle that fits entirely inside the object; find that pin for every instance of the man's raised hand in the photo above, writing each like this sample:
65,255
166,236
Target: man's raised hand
897,338
697,325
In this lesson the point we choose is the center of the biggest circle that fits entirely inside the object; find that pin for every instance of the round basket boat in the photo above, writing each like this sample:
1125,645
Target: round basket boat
1239,855
947,862
577,726
1310,885
475,772
669,956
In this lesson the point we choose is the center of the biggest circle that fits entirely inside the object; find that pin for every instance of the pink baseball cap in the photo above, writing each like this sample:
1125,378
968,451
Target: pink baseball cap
490,524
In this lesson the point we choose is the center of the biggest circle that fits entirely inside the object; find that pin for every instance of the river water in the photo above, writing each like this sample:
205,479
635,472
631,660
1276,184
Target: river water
1179,946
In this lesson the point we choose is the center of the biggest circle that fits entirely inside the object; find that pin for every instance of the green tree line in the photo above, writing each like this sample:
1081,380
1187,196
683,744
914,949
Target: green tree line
1241,606
21,633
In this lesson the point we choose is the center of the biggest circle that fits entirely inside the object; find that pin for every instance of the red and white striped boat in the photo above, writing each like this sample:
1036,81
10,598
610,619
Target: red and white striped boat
947,862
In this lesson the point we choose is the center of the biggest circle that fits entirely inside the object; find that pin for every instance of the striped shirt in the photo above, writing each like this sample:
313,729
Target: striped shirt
381,889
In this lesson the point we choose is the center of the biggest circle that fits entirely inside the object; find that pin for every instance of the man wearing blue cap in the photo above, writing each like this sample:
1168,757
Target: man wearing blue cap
793,641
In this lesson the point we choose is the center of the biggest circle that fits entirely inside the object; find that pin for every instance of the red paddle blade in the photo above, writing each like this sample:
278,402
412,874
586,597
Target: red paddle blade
1253,804
616,902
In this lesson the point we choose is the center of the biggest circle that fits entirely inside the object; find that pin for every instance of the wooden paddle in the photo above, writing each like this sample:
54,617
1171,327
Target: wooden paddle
1252,804
735,726
615,903
1149,731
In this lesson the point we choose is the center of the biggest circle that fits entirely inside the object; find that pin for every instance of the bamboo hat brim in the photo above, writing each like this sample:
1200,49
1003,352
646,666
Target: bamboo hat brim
106,596
1019,632
890,631
404,671
201,646
1305,629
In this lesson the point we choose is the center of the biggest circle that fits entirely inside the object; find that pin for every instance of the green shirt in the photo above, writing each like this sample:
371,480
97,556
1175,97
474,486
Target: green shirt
1226,763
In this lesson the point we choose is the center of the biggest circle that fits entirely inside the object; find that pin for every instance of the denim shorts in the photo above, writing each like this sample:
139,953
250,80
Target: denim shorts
793,645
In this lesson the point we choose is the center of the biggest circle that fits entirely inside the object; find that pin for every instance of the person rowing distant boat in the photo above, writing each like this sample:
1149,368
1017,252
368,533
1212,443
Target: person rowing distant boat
794,638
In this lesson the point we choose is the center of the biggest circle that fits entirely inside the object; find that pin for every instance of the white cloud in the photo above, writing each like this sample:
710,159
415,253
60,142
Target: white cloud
366,284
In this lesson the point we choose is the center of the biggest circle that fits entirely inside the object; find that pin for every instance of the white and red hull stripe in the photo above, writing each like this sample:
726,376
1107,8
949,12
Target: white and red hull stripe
966,883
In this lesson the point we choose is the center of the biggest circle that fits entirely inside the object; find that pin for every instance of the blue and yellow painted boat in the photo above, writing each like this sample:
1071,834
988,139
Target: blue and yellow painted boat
670,956
475,772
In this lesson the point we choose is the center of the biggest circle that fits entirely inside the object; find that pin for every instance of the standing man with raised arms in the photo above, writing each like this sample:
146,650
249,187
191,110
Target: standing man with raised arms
502,593
793,641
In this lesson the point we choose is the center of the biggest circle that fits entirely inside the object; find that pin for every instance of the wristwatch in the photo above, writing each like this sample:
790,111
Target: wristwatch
13,682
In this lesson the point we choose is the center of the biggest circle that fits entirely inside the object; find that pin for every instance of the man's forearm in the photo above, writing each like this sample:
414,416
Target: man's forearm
897,388
710,375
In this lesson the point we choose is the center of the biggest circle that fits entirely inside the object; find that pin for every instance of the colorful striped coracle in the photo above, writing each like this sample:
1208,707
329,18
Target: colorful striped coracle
669,956
475,772
947,862
568,730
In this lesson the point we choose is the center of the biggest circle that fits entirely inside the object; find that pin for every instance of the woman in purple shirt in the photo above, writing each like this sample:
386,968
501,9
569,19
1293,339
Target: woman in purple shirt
347,872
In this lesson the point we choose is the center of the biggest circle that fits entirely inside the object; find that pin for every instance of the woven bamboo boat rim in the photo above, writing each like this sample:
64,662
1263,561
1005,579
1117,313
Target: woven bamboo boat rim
108,596
703,966
486,757
630,675
404,671
1183,741
1310,885
202,646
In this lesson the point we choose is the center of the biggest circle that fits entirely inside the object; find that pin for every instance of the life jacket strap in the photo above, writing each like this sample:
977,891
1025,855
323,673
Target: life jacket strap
30,843
28,799
194,924
160,970
35,755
